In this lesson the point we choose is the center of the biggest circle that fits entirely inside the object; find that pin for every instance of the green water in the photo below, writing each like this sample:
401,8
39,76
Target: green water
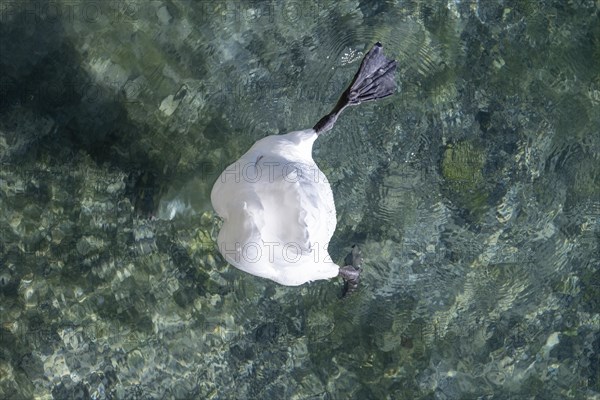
474,193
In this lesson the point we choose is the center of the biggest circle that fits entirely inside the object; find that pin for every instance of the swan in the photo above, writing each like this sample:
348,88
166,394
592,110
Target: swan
277,206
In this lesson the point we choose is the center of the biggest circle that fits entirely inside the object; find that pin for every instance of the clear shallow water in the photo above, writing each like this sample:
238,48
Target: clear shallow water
473,192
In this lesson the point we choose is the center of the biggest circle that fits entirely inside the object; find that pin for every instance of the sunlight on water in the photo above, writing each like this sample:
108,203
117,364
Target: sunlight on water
473,193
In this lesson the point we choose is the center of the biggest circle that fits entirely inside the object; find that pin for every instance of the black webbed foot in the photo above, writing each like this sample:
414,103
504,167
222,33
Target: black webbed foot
375,79
351,270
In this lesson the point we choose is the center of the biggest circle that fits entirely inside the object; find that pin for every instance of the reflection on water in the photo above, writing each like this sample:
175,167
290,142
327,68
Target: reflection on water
473,193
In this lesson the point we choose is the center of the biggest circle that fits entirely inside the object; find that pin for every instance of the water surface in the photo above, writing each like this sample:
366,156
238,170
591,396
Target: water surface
474,193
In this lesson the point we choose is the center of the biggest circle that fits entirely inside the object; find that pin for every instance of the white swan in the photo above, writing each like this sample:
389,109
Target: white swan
277,206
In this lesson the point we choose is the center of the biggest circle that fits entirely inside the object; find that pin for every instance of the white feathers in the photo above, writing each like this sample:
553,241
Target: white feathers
278,211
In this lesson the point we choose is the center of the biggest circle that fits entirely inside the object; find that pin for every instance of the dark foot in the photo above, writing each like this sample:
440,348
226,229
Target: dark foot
350,272
374,80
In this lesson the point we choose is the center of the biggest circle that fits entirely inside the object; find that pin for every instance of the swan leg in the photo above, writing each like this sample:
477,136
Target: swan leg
374,80
350,272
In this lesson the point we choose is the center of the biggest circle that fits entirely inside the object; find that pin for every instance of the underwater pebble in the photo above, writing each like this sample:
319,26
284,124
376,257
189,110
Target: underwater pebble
5,278
115,187
163,15
169,105
89,244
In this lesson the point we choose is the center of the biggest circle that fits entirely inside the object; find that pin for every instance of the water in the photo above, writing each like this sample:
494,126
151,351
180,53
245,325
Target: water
473,192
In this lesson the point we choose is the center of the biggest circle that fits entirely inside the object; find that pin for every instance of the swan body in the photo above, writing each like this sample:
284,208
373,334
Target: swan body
278,211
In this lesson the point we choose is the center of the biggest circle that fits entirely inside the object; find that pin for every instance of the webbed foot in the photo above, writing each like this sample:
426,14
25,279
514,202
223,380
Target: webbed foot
374,80
351,270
